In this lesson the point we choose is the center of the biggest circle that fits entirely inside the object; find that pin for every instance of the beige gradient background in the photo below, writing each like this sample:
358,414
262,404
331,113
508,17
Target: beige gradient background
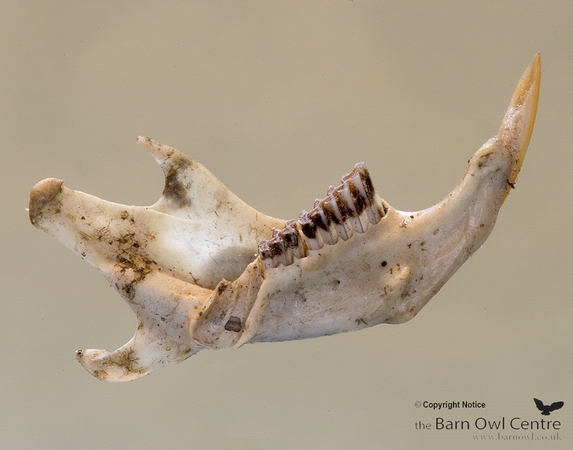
279,100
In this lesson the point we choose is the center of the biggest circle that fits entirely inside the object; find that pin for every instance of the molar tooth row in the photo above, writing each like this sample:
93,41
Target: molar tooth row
284,245
345,210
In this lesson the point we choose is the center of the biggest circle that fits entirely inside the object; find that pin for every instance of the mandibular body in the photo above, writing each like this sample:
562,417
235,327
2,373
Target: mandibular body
201,269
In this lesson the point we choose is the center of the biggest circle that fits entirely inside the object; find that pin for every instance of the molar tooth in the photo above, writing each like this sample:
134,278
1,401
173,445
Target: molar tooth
377,211
310,232
278,251
354,208
266,254
287,240
292,238
361,207
283,247
364,194
330,207
324,220
357,189
288,256
366,182
363,182
347,212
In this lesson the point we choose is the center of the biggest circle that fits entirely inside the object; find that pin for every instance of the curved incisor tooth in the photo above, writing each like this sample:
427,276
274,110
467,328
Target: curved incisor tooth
347,209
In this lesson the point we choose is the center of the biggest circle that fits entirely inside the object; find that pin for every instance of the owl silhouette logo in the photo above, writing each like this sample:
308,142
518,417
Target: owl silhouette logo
547,409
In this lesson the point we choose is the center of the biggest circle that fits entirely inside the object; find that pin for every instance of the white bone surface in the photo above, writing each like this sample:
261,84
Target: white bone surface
201,269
